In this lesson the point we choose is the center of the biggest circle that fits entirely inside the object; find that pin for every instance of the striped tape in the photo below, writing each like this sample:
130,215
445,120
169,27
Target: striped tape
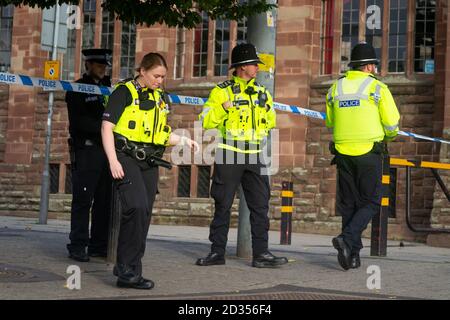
53,85
57,85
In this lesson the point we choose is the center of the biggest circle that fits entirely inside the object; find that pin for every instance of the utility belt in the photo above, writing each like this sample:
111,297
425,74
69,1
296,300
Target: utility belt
82,142
379,147
150,153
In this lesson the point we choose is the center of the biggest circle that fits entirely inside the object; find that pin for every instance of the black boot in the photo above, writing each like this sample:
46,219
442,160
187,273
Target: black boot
78,254
143,284
268,260
355,261
211,259
343,252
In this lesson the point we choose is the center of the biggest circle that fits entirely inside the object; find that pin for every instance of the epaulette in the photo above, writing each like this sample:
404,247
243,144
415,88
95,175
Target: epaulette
122,82
225,84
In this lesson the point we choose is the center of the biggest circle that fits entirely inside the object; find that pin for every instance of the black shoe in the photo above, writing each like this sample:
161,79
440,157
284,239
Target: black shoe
268,260
343,252
97,254
79,255
210,260
355,261
143,284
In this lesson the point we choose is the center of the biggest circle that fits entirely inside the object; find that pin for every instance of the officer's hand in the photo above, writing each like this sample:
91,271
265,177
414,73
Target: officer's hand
189,142
116,170
226,105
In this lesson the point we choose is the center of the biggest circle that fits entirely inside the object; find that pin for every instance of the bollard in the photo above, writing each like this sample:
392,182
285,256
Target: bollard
287,195
378,242
114,225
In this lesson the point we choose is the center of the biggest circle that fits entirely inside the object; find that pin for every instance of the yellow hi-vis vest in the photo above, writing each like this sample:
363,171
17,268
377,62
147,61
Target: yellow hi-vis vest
355,110
145,121
247,120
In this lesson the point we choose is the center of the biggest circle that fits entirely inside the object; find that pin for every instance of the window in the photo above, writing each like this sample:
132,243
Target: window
184,181
128,49
54,177
179,53
89,9
384,22
6,23
397,36
326,40
203,181
68,65
107,39
424,36
201,47
222,47
374,26
242,31
350,31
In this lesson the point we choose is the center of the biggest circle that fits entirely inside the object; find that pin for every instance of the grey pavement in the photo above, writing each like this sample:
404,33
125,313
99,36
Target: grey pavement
33,265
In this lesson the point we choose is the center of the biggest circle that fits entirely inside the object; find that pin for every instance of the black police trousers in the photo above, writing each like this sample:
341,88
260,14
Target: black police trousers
137,192
226,180
359,194
91,188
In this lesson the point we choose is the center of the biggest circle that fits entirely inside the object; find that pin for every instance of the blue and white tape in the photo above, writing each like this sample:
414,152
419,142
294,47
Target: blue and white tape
53,85
57,85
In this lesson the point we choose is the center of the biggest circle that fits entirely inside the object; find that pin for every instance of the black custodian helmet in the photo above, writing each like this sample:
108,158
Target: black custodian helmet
362,54
243,54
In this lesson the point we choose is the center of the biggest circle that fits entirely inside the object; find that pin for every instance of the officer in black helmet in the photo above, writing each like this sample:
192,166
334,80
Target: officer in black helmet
363,115
242,111
91,181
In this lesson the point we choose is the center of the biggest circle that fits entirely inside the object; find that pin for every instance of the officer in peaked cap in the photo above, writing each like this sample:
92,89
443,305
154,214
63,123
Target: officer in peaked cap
91,181
100,56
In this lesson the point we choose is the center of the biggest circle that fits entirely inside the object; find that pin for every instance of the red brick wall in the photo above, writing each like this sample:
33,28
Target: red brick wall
4,97
26,58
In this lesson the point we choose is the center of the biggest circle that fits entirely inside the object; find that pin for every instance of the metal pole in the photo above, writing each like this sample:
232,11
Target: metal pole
378,239
261,32
43,209
287,195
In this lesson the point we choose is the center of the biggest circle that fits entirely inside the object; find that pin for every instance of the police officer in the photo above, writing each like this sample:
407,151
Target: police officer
242,111
363,115
135,133
91,181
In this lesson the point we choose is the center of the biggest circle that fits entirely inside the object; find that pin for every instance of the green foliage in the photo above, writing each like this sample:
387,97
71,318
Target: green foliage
182,13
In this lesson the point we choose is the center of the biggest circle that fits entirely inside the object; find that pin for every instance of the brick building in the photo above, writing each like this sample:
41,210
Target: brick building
314,38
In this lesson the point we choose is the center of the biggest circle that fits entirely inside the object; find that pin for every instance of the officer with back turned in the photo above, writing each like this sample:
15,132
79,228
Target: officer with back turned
363,115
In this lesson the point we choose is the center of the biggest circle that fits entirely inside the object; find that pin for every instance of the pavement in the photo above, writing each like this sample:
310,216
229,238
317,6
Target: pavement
34,264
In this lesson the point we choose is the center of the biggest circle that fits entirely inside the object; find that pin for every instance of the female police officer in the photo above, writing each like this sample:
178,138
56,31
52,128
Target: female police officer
135,125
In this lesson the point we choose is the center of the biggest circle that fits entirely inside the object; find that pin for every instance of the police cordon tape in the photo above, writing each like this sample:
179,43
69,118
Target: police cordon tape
59,85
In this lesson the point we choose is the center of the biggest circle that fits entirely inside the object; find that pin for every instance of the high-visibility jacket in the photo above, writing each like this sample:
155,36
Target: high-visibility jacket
249,119
361,111
145,119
